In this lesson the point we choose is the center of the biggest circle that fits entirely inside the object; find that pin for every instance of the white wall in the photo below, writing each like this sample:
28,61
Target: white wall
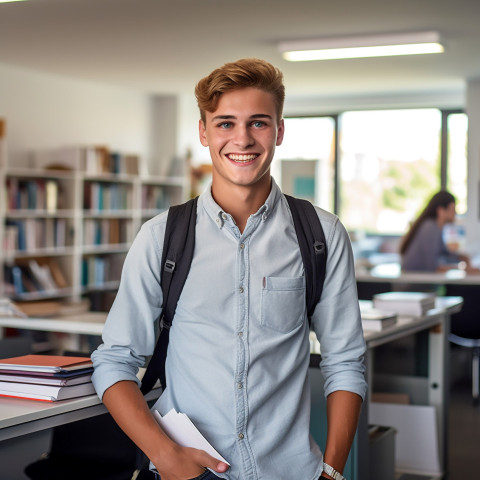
473,183
45,111
188,138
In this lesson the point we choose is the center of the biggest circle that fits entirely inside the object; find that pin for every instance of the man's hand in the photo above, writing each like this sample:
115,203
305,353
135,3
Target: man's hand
173,462
182,463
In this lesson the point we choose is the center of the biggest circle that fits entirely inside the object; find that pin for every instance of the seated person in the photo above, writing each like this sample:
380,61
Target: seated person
423,248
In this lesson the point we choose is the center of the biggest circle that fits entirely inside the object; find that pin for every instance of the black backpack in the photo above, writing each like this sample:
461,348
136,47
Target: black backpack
178,246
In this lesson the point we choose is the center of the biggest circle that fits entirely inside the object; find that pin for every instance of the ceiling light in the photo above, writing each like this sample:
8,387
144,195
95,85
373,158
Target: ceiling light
361,46
10,1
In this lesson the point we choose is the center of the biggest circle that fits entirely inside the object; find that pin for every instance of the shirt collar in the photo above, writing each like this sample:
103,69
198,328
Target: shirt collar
216,213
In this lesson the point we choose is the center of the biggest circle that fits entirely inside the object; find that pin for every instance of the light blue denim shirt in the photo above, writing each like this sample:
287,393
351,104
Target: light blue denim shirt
239,345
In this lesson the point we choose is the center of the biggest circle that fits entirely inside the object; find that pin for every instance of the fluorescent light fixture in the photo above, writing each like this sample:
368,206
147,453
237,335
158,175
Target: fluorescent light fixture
361,46
10,1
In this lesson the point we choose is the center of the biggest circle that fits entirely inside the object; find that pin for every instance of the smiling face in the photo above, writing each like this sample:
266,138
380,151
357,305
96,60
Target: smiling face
241,135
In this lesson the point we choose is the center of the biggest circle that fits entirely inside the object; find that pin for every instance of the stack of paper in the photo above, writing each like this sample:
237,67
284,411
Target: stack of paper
377,320
405,303
46,377
181,430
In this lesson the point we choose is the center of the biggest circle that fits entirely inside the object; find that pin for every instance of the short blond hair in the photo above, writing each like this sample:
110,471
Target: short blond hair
244,73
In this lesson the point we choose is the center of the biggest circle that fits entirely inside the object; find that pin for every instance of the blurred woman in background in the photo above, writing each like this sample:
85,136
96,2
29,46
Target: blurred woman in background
423,247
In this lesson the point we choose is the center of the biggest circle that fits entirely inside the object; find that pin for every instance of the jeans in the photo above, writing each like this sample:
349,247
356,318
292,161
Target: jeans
206,475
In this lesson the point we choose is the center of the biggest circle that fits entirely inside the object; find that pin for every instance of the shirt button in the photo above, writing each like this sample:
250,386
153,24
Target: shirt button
240,289
242,246
240,436
240,334
224,216
240,385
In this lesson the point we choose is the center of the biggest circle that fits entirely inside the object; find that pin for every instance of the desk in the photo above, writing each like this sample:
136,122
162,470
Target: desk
26,427
430,390
88,323
433,389
21,417
392,274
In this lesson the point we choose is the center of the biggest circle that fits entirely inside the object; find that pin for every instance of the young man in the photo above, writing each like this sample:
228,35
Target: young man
239,345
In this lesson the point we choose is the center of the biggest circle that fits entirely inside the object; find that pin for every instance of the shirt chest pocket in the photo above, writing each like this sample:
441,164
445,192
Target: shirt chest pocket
283,303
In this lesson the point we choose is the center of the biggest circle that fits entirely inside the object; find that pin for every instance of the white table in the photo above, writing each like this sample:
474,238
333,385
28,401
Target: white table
436,383
88,323
434,386
21,416
392,274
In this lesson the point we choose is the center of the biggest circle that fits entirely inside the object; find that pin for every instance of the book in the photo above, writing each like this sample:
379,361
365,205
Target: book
45,363
405,303
48,393
181,430
47,379
377,320
56,272
40,308
42,275
61,374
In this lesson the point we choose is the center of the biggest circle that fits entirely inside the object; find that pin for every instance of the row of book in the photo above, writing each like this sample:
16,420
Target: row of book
35,275
106,196
47,378
107,231
100,160
37,194
93,160
98,270
35,233
154,197
388,306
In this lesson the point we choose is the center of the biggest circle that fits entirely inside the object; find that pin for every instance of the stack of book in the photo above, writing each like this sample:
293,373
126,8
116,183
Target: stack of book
46,377
377,320
415,304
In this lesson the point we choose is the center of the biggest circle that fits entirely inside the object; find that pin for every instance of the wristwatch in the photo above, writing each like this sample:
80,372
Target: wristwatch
329,470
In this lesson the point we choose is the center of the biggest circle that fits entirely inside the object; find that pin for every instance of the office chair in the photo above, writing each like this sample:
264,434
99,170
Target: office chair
465,329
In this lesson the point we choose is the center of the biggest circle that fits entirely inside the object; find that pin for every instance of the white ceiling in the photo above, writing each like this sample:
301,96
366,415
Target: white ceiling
165,46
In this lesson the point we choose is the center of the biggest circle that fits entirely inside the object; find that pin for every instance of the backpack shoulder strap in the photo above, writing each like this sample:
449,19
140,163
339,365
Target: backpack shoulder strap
178,246
313,248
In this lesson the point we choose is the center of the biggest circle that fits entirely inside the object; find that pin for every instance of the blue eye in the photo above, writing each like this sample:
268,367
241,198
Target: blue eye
258,124
225,125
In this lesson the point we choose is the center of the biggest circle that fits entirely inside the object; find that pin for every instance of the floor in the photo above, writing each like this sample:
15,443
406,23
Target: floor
464,436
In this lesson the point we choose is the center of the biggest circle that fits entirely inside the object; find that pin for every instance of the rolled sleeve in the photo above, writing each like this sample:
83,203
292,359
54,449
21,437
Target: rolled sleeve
336,320
130,330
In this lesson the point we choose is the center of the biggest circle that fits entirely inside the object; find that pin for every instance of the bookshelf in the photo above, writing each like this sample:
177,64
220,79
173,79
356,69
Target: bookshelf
68,221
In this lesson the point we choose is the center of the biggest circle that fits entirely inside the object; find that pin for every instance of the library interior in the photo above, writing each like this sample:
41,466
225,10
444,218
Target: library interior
99,133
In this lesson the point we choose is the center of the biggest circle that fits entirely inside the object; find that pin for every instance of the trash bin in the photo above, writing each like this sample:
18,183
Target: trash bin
381,452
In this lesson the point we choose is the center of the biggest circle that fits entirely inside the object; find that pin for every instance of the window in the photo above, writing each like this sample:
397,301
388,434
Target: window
389,165
305,162
381,167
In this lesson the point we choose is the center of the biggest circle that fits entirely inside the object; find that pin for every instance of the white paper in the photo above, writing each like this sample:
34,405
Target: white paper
416,443
181,430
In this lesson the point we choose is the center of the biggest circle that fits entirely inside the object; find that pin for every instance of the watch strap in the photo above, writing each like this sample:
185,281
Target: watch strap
329,470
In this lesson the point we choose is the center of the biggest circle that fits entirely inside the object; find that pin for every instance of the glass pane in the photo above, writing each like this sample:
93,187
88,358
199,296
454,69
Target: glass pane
457,159
389,167
304,164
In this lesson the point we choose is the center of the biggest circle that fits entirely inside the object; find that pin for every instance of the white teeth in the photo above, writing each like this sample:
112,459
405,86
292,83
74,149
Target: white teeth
242,158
